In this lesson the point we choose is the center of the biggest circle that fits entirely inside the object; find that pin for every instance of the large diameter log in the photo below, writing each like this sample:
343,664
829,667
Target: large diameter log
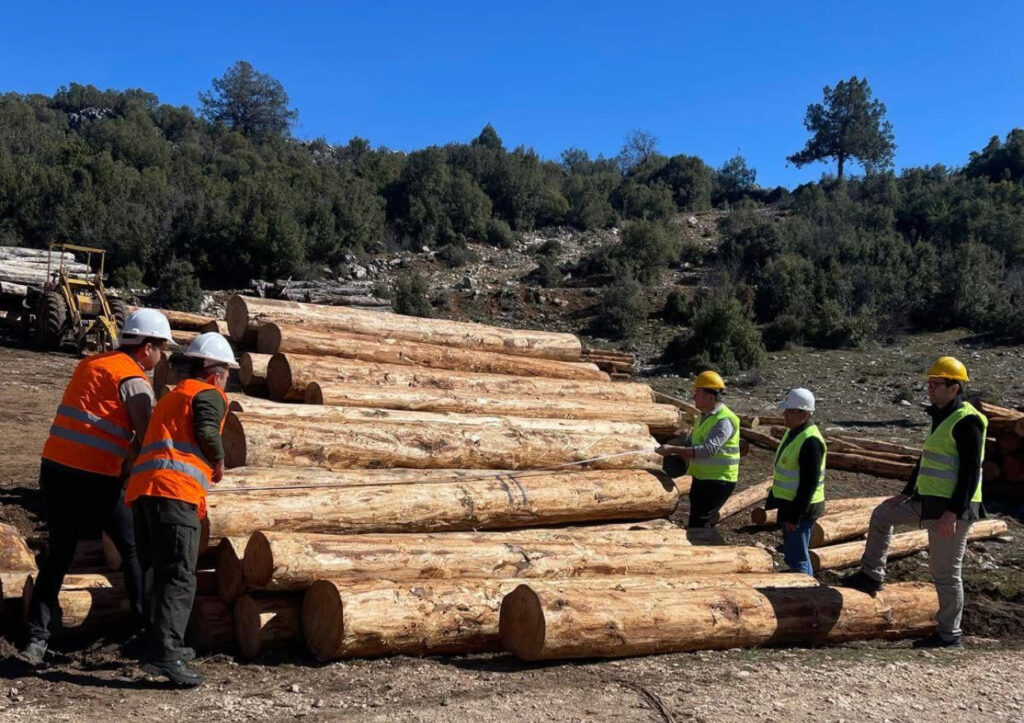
548,625
12,584
840,526
275,441
288,375
211,626
89,602
292,561
761,516
228,562
655,416
264,622
245,312
743,498
848,554
252,371
869,465
14,553
281,338
183,338
524,500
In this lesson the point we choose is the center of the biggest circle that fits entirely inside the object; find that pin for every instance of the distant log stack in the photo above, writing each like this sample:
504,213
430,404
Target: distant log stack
17,562
1004,453
619,364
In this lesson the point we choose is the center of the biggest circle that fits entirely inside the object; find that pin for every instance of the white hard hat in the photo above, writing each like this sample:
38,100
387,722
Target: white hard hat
213,348
146,323
798,398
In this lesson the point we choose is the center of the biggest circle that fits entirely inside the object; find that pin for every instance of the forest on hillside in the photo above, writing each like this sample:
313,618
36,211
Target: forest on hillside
223,193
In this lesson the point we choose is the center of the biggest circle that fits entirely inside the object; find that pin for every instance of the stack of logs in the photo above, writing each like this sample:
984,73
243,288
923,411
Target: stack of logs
1004,452
331,293
618,364
24,267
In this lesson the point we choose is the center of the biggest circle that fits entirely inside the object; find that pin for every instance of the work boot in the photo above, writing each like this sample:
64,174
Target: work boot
178,672
937,641
863,582
34,652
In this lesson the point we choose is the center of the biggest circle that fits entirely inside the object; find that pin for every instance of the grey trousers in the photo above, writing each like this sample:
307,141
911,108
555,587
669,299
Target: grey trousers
945,557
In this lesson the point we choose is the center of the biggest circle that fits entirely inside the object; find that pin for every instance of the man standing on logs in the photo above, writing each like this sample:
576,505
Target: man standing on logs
181,458
943,496
798,489
106,406
713,451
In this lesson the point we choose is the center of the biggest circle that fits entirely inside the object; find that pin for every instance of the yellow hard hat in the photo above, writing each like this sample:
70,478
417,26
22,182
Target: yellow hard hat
949,368
709,380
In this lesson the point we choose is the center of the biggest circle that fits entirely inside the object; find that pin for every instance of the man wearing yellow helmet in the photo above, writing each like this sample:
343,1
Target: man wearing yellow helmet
713,451
943,496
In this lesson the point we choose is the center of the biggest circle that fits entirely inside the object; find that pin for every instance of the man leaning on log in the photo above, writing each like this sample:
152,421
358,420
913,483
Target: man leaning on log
713,451
943,496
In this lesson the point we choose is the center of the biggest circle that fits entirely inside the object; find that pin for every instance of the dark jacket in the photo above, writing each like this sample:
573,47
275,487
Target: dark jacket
800,507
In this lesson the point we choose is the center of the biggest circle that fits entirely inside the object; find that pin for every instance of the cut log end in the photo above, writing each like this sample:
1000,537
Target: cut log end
323,620
268,339
279,377
521,623
234,442
237,316
314,394
258,561
230,580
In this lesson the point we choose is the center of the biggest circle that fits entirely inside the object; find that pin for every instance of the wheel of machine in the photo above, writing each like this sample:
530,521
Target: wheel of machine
50,321
120,311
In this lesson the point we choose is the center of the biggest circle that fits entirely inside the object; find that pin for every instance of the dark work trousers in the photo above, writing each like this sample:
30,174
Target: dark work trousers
706,498
79,505
168,535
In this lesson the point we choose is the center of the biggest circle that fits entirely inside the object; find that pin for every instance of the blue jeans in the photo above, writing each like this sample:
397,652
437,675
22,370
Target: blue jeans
795,547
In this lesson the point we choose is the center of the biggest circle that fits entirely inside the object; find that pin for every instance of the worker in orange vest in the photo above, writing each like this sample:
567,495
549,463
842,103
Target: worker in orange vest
105,409
182,456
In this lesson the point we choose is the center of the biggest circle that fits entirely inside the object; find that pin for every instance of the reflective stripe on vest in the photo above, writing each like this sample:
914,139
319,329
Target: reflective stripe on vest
940,459
184,467
91,430
787,466
724,466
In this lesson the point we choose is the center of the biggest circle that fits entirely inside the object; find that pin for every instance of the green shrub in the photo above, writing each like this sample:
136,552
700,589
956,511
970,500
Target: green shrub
782,332
177,287
722,338
455,255
678,308
410,296
622,309
500,234
128,279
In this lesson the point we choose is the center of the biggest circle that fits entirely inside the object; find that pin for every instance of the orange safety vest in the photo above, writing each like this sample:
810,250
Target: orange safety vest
171,462
92,431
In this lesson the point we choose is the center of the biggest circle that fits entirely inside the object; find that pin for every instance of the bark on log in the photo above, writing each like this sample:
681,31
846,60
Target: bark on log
288,375
658,417
292,561
12,583
874,444
185,320
211,626
539,624
493,443
228,557
848,554
761,516
840,526
993,411
183,338
28,253
689,411
741,499
11,289
283,338
263,622
89,601
762,440
869,465
252,372
246,312
524,500
14,553
218,325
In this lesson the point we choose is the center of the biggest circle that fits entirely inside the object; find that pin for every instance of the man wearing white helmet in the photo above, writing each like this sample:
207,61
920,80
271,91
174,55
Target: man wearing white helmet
798,490
182,456
103,414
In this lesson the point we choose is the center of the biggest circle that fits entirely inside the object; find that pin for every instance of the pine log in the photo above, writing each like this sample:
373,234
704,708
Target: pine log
248,403
292,561
218,325
288,375
848,554
743,498
211,626
264,622
228,557
282,338
770,421
246,312
761,516
689,411
539,624
524,500
863,464
840,526
15,252
89,602
658,417
185,320
762,440
12,583
874,445
252,372
993,411
14,553
183,338
11,289
481,443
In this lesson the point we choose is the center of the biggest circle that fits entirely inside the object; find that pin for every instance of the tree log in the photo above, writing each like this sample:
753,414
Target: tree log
743,498
874,444
761,516
245,312
111,555
540,624
184,320
762,440
282,338
292,561
211,626
14,553
218,325
869,465
848,554
88,602
841,526
263,622
11,289
252,372
993,411
228,557
12,583
490,443
658,417
524,500
29,253
288,375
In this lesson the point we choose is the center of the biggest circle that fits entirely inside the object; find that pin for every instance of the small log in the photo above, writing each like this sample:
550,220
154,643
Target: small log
761,516
14,553
252,372
263,622
218,325
228,557
111,555
689,411
993,411
539,624
743,498
211,626
834,557
13,290
874,445
184,320
749,420
760,439
292,561
88,602
841,526
869,465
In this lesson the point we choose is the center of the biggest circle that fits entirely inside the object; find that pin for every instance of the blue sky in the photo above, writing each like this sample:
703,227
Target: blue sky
708,80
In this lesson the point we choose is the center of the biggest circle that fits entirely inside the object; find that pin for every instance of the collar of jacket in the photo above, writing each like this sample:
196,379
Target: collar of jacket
939,414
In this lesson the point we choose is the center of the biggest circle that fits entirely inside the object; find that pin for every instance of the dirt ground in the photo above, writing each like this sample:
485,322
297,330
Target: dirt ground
853,682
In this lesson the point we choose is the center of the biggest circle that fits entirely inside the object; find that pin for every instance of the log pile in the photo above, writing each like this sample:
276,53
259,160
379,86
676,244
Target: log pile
618,364
1004,452
330,293
24,267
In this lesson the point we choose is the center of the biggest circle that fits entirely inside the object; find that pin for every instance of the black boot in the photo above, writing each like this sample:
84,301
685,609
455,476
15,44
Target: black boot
861,581
937,641
176,671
